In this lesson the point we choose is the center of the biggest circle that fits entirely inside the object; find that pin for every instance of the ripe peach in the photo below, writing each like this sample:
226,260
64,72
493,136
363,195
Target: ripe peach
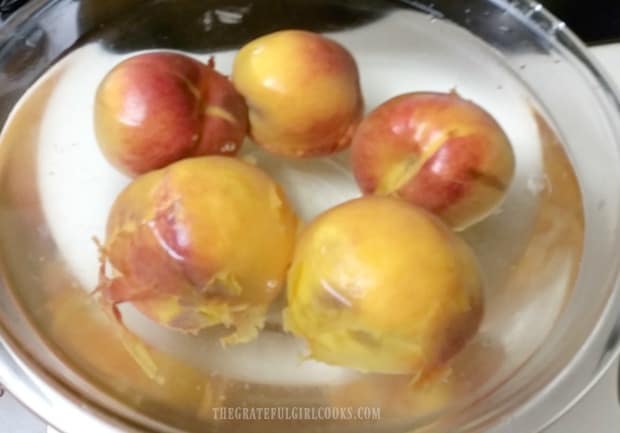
379,285
435,150
205,241
302,90
156,108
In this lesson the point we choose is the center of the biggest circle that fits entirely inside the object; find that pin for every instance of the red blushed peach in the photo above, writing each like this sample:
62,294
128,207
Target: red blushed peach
156,108
435,150
205,241
379,285
302,90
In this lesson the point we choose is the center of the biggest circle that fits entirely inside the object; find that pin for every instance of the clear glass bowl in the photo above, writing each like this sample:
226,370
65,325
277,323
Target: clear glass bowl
549,253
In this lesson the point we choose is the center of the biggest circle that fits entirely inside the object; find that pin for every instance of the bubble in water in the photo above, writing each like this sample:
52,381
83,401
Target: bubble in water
557,27
429,9
538,184
231,15
228,147
207,20
497,211
35,38
537,8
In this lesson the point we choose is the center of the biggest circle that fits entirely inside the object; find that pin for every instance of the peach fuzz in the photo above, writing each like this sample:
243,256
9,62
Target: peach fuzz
205,241
155,108
303,93
382,286
435,150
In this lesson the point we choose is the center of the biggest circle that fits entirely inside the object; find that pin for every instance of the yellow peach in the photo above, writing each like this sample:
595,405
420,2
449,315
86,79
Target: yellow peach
379,285
205,241
302,91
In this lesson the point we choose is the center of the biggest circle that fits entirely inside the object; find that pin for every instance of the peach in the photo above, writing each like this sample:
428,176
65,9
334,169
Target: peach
379,285
435,150
205,241
156,108
302,90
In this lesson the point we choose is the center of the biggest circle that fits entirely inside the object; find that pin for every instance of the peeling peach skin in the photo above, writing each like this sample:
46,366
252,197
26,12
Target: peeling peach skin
303,93
382,286
203,242
156,108
435,150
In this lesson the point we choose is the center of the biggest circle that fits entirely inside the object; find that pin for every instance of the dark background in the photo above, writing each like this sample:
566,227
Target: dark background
595,21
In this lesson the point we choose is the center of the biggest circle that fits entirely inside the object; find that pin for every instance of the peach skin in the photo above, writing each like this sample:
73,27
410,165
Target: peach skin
156,108
435,150
382,286
205,241
303,93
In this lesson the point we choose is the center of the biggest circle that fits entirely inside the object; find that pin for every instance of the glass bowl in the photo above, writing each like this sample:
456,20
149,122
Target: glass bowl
548,253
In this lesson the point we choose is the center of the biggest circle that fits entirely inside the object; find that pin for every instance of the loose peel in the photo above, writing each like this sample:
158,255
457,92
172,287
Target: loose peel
106,289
